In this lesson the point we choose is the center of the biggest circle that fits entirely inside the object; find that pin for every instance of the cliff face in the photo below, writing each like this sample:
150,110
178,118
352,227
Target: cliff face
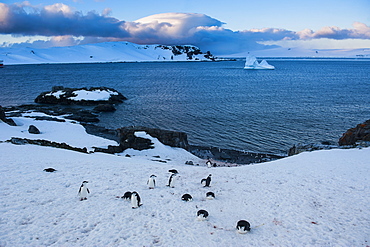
360,133
128,139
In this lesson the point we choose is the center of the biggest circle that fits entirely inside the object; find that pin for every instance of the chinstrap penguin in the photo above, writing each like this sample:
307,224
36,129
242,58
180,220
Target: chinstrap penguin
206,182
202,215
243,226
187,197
127,196
171,180
83,191
151,181
135,200
210,195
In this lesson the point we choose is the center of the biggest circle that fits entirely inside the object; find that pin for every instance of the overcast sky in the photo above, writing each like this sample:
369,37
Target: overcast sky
220,26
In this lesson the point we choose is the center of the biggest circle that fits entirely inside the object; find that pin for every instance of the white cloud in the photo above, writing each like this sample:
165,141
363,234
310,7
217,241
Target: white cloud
167,28
59,8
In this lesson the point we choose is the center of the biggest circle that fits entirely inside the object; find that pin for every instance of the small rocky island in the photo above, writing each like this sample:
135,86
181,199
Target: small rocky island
80,96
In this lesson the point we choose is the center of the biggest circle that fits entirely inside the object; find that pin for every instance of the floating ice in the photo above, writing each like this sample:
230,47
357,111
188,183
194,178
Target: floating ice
252,63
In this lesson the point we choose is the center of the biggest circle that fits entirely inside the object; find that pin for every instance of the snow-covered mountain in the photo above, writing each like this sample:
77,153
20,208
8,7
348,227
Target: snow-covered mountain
316,198
103,52
281,52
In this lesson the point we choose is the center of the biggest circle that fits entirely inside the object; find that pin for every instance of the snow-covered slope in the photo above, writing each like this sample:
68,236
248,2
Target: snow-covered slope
102,52
311,199
281,52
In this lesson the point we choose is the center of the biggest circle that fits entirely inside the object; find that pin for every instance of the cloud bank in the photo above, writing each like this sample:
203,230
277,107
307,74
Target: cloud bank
65,26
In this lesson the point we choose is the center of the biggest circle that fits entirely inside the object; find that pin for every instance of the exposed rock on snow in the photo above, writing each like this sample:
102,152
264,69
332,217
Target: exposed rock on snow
4,118
46,143
360,133
231,156
52,113
80,96
32,129
252,63
128,139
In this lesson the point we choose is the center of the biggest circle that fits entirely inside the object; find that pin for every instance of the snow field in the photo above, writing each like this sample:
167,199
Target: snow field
311,199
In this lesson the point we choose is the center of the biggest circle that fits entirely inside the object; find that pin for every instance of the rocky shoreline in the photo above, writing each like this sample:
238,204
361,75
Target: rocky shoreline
60,108
88,118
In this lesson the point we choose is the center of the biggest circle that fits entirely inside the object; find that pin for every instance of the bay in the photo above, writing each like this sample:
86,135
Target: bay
217,103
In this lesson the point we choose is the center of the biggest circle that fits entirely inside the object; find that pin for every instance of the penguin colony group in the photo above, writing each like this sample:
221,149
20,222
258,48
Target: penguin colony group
242,226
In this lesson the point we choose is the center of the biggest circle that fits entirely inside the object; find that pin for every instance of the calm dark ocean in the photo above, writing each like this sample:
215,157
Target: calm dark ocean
217,103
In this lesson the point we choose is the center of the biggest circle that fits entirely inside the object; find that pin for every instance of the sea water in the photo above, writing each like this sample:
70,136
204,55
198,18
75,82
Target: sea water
217,103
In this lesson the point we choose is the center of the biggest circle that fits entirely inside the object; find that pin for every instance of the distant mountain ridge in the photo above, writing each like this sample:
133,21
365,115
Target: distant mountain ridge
104,53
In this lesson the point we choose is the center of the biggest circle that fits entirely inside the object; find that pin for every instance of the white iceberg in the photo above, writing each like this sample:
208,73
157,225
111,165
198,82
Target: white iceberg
252,63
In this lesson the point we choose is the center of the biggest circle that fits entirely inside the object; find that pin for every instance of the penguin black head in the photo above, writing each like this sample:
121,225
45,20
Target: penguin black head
173,171
210,195
153,176
50,169
243,226
202,214
187,197
85,182
127,195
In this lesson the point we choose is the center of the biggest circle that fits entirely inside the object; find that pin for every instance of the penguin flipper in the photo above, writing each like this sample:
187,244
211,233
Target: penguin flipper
88,191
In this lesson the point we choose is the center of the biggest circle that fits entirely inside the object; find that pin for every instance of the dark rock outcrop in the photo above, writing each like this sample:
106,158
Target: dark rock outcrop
32,129
5,119
47,143
231,156
73,113
104,108
309,147
2,113
360,133
84,116
128,139
64,96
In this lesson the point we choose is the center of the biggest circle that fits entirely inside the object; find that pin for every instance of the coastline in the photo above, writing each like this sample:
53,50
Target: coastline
88,118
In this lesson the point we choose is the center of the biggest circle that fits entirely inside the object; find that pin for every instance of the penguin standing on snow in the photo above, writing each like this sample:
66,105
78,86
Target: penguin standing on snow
151,181
202,215
206,182
209,164
83,191
127,196
135,200
171,180
243,226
